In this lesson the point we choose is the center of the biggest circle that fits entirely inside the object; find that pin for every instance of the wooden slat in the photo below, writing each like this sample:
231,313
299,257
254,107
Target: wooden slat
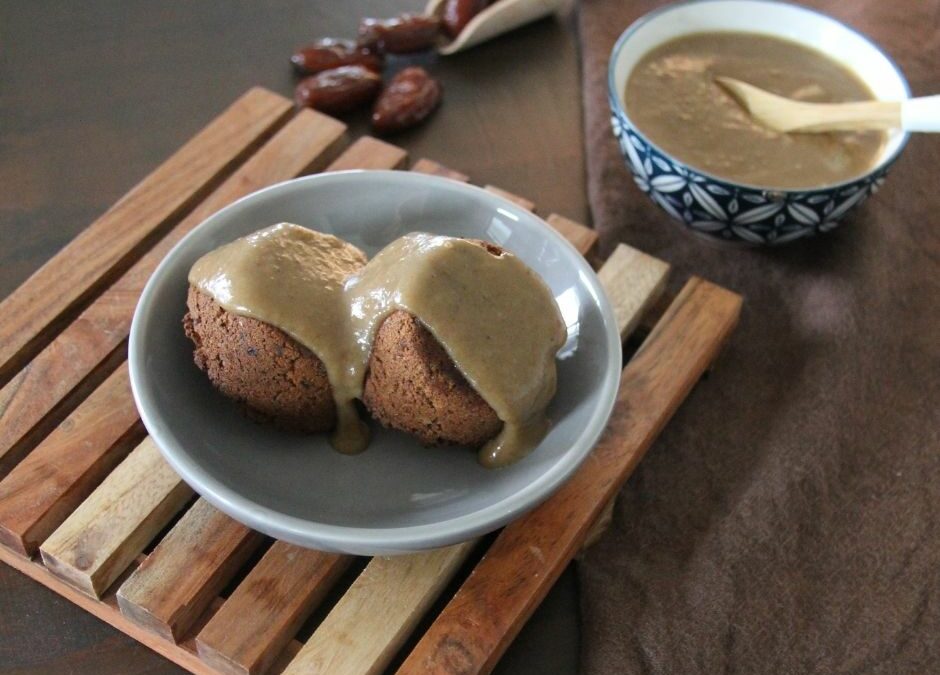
85,264
255,624
582,238
94,546
633,282
307,143
186,571
527,557
527,204
377,613
370,153
433,168
42,490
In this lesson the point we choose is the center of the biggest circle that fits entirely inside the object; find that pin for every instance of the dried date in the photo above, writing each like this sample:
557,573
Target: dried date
338,90
329,53
409,99
400,35
458,13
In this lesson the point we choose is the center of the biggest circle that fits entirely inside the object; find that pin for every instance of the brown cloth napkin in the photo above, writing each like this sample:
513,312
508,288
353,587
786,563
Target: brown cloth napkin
788,519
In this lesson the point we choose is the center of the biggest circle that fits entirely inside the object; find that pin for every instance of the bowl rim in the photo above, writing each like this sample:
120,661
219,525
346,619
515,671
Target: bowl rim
378,540
615,98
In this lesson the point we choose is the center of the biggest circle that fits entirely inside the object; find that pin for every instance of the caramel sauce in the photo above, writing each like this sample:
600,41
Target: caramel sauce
672,97
493,315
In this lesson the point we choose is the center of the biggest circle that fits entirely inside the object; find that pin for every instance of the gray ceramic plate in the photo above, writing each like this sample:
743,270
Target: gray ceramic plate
397,496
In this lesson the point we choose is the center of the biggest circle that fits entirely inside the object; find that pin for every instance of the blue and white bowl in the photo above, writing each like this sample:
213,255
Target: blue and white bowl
735,212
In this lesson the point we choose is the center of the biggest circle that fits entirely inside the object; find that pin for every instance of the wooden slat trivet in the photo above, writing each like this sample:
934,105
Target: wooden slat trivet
174,187
122,516
584,239
434,169
370,153
377,613
57,476
306,144
186,571
290,579
92,521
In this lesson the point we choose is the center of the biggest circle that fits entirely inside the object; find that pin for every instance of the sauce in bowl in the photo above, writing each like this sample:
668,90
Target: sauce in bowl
672,98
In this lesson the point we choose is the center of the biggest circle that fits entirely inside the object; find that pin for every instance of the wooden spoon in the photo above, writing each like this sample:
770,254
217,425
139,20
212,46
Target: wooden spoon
784,114
500,17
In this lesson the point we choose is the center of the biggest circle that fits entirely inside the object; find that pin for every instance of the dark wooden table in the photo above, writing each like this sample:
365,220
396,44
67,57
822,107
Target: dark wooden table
95,95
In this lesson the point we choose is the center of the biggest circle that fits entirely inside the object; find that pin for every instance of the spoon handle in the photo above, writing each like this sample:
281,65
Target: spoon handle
500,17
921,114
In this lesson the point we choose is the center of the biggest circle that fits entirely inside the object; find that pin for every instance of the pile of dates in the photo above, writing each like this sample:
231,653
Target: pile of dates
342,75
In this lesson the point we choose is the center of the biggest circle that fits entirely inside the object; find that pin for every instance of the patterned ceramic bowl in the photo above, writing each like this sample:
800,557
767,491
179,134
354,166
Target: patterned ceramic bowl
734,212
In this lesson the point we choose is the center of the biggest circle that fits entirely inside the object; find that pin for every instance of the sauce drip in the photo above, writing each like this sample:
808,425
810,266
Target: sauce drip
493,315
672,97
